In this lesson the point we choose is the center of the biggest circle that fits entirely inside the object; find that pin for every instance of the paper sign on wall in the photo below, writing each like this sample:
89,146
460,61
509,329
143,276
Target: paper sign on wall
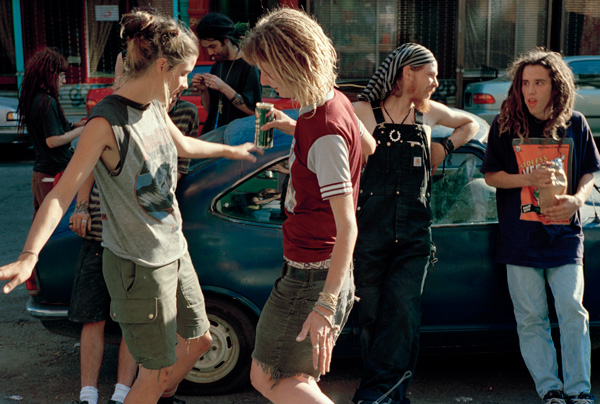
107,13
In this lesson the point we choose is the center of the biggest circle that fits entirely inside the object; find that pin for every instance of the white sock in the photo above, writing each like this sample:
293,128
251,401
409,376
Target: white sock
89,394
120,392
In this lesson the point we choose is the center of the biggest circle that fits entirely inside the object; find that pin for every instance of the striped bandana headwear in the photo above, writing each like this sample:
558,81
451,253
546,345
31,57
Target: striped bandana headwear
382,82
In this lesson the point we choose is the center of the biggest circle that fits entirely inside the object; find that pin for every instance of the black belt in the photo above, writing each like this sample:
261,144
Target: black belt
302,274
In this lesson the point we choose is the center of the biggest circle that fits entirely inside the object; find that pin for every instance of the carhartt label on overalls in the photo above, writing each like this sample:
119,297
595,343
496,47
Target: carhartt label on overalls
417,162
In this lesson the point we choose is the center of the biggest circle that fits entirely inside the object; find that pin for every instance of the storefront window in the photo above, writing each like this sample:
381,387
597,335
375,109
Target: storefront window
104,42
497,32
363,32
582,28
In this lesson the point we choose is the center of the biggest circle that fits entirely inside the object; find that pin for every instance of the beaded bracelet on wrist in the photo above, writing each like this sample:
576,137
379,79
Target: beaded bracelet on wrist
328,298
326,305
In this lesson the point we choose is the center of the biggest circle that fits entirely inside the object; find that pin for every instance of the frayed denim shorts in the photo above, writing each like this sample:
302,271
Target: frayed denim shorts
291,301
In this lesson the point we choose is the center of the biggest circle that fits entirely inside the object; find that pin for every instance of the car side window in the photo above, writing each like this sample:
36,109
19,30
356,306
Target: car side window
460,194
260,198
587,73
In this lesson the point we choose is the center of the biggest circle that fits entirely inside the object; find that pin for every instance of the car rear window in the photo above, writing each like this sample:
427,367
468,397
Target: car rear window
587,73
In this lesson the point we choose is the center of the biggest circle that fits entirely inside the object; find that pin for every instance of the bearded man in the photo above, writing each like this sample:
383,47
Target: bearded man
394,250
232,88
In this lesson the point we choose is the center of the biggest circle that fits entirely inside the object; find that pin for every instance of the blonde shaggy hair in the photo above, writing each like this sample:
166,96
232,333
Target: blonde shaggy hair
294,45
514,113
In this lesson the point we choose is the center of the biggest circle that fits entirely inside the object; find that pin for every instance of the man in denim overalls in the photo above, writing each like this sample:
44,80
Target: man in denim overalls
394,247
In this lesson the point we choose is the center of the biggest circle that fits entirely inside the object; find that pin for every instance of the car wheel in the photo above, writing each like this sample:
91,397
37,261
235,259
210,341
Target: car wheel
226,366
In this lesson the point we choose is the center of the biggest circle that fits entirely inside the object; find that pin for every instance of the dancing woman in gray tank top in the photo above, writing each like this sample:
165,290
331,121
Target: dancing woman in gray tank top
133,146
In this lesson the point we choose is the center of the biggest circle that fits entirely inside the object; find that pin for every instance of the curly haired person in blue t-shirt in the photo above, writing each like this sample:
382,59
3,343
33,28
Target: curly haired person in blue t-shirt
535,141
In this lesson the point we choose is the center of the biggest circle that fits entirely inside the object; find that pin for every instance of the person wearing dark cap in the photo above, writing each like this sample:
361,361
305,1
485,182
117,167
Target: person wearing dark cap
232,88
394,249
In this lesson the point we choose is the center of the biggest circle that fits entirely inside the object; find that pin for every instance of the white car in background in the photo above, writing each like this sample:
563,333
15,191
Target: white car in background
9,122
485,98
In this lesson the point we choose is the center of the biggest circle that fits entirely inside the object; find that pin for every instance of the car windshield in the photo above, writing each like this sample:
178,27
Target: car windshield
459,193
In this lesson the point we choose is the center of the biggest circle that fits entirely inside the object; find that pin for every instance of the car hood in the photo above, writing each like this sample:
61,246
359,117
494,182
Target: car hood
9,102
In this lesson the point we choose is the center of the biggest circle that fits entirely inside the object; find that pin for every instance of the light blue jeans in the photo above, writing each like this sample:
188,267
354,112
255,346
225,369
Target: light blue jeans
527,287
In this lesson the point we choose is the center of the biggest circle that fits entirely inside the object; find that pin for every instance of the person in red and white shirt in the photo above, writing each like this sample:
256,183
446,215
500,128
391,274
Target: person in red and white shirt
311,301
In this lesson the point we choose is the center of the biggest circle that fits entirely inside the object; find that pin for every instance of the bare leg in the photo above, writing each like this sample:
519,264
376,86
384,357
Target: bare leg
150,384
291,390
127,366
188,352
91,352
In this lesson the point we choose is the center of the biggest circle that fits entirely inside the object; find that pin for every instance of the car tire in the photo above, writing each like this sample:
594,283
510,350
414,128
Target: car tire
225,368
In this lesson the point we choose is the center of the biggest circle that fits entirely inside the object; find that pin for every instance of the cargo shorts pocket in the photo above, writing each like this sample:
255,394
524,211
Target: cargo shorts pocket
134,311
144,331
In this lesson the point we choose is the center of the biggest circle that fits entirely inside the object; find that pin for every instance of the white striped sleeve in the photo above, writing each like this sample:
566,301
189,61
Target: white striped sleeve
328,159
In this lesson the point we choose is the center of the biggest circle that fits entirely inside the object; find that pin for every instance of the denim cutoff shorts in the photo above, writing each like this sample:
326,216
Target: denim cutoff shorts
281,320
154,304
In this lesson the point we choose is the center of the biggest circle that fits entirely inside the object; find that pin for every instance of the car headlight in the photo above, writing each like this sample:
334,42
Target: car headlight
12,116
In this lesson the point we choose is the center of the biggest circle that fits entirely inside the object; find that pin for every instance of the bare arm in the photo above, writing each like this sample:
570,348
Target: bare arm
318,326
195,148
80,221
216,83
465,129
568,205
364,113
541,177
199,84
96,137
65,138
346,232
280,121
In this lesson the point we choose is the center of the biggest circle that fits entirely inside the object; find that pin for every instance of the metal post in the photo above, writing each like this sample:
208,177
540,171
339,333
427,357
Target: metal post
460,53
176,9
19,55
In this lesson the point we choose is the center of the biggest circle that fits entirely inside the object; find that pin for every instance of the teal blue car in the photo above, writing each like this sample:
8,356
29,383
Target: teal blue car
232,219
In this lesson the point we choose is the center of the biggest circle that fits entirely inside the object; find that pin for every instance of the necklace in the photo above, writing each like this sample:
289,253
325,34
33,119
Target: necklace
220,104
395,134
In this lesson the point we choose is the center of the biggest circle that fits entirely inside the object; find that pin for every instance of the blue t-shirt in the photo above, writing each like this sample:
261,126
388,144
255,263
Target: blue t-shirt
529,242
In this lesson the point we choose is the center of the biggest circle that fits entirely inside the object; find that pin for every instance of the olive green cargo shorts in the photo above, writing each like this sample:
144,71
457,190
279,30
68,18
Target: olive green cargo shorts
154,304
